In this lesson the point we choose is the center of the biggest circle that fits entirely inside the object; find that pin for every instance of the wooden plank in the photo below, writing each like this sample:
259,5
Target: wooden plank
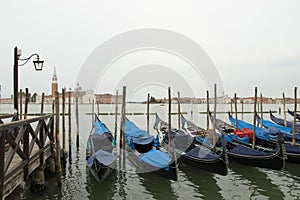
5,116
10,125
13,183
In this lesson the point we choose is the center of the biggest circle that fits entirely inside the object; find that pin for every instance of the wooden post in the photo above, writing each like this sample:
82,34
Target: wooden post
116,116
63,121
284,113
21,103
169,131
254,119
98,110
295,113
215,117
148,108
93,112
207,109
53,106
123,120
77,119
235,110
70,136
261,111
178,100
2,161
231,106
57,139
26,103
42,103
242,109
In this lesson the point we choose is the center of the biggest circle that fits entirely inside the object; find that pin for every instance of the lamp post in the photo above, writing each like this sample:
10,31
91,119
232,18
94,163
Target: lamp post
38,64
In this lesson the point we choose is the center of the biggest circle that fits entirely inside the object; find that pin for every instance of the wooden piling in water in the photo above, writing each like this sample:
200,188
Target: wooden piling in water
215,117
284,113
26,103
69,130
148,109
261,111
42,103
123,121
178,110
254,118
93,112
207,109
295,113
77,120
57,140
231,106
169,119
116,118
21,104
63,123
236,111
242,101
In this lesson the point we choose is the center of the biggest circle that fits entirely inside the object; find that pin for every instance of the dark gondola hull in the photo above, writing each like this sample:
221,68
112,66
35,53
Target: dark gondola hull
101,172
274,161
218,166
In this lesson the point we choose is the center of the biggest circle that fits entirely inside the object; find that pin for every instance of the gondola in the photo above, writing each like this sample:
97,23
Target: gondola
268,137
191,153
100,157
146,154
281,122
238,150
292,114
287,131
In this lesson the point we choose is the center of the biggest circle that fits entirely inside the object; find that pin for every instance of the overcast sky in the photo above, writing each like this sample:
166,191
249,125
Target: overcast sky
252,43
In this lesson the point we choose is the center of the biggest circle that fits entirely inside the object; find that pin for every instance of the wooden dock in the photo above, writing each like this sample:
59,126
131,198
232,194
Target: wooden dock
25,145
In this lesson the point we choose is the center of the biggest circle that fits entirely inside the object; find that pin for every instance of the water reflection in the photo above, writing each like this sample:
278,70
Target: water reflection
203,183
262,188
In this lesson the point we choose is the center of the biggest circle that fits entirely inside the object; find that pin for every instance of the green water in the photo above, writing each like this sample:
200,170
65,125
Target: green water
242,182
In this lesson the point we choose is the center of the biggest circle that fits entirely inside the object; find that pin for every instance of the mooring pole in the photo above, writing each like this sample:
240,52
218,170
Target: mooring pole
169,131
70,136
178,101
242,109
235,108
57,140
207,109
284,113
116,116
148,108
21,104
63,121
26,103
93,112
231,106
295,113
124,118
42,103
77,119
215,117
254,118
261,111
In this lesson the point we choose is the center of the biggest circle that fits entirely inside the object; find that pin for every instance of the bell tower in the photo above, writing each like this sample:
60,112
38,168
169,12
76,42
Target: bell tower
54,83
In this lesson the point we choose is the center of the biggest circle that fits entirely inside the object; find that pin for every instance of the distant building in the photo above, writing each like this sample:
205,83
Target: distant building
108,98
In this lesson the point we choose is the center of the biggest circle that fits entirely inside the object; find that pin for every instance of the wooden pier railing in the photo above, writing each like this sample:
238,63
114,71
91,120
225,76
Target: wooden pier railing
24,146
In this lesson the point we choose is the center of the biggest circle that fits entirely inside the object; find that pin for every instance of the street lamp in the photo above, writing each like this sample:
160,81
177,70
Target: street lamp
38,65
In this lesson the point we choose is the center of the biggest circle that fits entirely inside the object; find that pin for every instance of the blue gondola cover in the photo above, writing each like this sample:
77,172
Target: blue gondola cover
99,128
104,157
156,158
